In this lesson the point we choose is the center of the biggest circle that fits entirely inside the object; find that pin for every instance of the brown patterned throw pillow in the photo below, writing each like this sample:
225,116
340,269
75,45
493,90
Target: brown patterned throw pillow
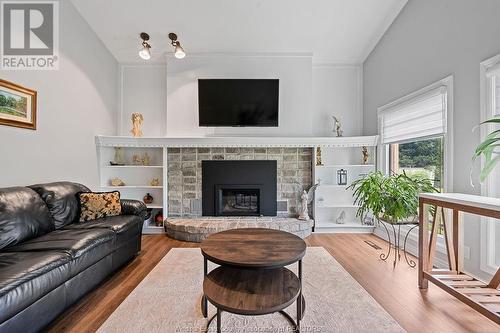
96,205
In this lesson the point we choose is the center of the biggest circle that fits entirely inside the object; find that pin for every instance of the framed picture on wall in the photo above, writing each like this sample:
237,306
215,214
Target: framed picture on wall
17,105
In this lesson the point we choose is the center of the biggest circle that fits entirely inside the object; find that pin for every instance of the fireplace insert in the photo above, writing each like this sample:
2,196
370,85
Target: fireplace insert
239,188
237,200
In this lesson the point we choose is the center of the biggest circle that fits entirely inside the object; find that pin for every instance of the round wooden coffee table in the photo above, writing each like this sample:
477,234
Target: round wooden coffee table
252,279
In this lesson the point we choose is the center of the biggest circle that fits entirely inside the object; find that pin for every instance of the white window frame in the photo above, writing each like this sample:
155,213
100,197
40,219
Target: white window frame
383,149
383,153
488,110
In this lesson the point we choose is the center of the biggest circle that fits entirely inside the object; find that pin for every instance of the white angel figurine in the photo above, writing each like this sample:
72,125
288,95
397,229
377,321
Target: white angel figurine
305,199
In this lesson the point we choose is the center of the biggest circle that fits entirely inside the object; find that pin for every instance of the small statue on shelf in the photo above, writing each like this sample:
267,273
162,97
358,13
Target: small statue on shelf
337,126
136,159
340,218
146,160
155,182
137,120
118,160
319,162
117,182
365,154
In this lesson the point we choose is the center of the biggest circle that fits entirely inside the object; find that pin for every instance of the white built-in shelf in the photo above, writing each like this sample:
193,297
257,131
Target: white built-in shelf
337,206
132,186
332,200
345,166
154,206
236,141
333,186
133,166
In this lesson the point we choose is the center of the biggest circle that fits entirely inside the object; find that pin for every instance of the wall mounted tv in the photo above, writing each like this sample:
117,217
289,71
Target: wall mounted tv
238,102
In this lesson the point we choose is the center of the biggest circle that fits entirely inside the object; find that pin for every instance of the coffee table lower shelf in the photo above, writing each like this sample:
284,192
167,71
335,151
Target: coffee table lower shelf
252,292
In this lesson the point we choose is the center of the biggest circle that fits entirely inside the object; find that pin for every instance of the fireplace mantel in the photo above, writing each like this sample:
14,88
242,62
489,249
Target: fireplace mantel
236,141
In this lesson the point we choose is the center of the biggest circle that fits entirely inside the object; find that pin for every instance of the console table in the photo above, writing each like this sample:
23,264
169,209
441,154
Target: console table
252,279
483,297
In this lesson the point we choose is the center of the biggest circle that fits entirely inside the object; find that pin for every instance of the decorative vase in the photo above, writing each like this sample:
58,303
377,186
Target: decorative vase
148,198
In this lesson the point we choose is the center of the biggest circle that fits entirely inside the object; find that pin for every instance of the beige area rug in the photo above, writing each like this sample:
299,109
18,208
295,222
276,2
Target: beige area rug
168,300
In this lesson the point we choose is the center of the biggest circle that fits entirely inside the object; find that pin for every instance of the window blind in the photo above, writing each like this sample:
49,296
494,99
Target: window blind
420,117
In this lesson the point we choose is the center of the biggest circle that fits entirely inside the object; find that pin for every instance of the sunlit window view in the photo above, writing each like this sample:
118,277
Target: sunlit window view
423,157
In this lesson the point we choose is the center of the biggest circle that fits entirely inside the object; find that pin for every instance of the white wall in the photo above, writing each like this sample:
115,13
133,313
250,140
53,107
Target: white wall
337,90
143,88
294,72
309,94
430,40
75,103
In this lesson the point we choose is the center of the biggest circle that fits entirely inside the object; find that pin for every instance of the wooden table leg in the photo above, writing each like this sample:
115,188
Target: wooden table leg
423,248
204,302
219,321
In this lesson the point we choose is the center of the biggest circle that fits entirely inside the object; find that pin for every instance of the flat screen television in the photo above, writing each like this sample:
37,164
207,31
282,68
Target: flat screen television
238,102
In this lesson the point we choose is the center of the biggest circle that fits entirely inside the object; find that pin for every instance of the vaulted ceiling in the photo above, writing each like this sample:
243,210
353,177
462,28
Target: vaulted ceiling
333,31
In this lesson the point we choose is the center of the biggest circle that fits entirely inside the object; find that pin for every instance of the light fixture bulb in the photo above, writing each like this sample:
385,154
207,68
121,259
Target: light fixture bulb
145,53
179,51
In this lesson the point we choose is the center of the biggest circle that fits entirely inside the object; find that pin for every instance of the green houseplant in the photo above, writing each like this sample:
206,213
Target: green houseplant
489,149
391,198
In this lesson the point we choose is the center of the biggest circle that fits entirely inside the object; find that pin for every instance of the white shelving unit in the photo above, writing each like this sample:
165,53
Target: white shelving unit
137,178
331,198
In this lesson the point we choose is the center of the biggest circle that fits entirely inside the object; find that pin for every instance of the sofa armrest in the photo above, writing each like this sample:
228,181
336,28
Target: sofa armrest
134,207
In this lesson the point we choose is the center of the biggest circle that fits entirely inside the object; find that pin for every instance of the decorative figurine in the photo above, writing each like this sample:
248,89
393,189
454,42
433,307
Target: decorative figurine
305,199
117,182
337,126
340,218
137,120
342,177
118,160
365,154
136,159
148,199
155,182
146,160
319,162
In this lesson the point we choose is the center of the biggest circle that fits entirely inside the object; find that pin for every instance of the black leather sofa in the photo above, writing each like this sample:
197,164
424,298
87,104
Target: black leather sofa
48,260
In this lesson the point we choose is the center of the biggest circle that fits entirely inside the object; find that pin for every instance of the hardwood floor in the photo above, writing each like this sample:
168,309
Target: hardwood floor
396,290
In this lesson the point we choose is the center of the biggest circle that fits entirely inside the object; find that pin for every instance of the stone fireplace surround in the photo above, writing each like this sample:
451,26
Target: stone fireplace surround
294,167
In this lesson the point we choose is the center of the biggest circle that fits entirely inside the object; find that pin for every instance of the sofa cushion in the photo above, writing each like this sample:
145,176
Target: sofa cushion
125,227
61,198
27,276
23,216
98,205
85,247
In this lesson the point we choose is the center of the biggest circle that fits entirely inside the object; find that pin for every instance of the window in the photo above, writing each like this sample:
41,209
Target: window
490,108
415,134
422,157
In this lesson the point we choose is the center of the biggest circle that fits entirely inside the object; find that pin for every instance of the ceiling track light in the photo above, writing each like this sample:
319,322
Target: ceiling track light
178,50
145,51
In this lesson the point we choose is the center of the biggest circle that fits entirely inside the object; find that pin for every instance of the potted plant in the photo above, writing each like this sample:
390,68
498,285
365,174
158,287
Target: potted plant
490,149
392,198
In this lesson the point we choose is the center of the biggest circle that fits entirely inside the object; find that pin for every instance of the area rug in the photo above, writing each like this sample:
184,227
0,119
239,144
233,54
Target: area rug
168,300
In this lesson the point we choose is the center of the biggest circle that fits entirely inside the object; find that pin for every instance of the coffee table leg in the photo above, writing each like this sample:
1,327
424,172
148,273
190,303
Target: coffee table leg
301,302
204,302
218,321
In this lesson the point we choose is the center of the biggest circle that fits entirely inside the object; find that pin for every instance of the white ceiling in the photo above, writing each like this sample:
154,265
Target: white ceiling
334,31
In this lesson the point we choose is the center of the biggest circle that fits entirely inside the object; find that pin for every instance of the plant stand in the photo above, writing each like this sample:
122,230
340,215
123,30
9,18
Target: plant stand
395,242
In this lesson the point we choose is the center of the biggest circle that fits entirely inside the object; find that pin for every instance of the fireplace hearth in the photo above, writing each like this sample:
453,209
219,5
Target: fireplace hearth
239,188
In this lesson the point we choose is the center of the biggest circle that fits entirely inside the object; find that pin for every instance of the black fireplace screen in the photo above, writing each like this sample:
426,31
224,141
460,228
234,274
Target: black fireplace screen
238,202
